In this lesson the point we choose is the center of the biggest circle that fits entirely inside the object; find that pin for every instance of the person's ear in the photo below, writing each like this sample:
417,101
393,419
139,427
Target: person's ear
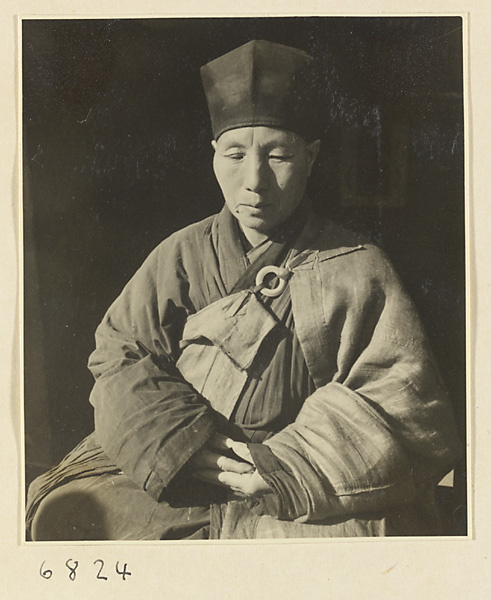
313,150
214,144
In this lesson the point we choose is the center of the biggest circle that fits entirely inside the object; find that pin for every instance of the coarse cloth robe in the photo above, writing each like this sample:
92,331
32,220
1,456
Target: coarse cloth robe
335,377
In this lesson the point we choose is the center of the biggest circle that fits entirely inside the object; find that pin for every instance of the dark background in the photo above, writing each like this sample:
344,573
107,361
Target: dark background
117,156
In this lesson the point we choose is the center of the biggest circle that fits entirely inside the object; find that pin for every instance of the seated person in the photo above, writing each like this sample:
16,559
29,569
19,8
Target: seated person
263,374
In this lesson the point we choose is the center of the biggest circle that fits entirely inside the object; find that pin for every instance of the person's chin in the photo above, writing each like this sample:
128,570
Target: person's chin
256,222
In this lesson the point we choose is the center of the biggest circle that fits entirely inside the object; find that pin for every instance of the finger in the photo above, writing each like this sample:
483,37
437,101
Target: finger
220,442
242,485
205,459
248,484
224,463
234,481
209,476
211,460
223,442
238,482
242,451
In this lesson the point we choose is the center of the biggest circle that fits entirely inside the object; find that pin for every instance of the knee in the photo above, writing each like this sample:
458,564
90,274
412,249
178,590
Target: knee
68,515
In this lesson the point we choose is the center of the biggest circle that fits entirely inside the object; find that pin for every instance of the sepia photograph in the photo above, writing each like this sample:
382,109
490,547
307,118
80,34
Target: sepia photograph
244,278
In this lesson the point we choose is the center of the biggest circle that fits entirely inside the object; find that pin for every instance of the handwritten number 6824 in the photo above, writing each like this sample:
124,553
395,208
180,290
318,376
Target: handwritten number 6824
72,566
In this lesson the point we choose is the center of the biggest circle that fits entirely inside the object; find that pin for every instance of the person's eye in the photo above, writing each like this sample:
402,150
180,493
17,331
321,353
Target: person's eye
235,156
277,157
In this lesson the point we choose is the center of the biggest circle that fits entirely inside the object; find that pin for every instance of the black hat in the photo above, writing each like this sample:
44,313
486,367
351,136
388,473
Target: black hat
261,83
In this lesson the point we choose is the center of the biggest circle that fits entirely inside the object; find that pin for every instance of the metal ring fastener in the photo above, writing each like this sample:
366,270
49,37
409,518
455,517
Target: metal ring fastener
282,275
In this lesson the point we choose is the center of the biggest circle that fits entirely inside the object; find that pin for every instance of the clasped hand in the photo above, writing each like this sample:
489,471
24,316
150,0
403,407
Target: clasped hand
214,464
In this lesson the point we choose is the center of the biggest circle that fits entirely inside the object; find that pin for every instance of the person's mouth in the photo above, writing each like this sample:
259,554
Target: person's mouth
256,207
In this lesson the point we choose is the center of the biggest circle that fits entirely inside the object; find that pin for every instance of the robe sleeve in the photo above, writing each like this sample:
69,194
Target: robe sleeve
379,429
148,419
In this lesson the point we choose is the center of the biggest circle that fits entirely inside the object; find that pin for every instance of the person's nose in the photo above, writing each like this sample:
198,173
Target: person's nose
256,175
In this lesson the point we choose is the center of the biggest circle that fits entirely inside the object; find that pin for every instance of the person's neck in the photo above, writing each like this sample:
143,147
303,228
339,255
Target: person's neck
253,236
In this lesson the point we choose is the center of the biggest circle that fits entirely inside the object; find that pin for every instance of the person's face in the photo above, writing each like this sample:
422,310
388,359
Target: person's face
262,173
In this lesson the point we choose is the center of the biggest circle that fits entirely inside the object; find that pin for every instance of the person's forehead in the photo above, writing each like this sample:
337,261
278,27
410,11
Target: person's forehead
258,135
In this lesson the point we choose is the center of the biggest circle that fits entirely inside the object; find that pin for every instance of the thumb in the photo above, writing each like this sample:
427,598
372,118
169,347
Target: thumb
242,451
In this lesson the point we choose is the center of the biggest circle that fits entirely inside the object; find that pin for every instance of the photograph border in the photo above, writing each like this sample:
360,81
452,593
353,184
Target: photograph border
469,411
